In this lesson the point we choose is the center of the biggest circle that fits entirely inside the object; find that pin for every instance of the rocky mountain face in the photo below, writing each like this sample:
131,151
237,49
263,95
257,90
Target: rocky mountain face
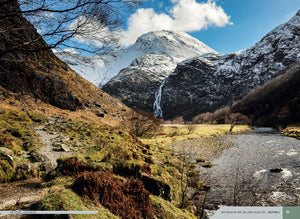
275,103
205,84
137,84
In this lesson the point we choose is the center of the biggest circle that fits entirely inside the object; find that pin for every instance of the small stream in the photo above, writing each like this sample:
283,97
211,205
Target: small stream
261,169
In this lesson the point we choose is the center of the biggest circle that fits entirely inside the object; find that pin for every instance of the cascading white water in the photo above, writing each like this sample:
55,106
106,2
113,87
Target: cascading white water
157,109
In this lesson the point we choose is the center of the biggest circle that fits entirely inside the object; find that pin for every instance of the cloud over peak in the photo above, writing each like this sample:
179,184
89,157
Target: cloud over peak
185,15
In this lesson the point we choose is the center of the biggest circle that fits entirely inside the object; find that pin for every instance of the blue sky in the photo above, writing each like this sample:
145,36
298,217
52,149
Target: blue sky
224,25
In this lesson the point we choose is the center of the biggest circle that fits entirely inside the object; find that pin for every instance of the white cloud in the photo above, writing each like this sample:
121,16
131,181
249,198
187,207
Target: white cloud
91,32
185,15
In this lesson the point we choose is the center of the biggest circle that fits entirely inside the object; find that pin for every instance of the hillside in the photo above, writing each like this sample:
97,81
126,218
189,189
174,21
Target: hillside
35,75
275,103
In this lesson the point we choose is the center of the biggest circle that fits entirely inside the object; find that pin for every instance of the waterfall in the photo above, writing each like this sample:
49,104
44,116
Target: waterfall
157,110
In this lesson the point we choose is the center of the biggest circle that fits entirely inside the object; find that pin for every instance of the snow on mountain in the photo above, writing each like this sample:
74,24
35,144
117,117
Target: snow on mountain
99,69
174,74
89,67
137,83
205,84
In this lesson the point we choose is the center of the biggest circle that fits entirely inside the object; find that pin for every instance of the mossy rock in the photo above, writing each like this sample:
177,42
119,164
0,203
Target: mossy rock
207,165
38,118
157,187
200,160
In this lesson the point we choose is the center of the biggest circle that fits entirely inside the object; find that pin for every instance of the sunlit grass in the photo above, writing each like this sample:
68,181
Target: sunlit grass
293,130
175,133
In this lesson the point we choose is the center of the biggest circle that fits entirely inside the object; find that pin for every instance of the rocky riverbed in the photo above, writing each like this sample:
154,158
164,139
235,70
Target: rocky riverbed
261,169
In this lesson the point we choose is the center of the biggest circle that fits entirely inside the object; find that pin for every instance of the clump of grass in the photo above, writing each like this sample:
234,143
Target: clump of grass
59,197
7,170
128,168
165,209
15,116
9,143
37,118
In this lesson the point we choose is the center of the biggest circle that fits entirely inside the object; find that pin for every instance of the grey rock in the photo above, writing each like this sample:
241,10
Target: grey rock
61,147
101,115
24,166
157,187
97,103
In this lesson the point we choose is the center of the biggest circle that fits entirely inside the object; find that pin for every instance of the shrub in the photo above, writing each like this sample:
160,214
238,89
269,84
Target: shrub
71,167
127,200
178,120
204,118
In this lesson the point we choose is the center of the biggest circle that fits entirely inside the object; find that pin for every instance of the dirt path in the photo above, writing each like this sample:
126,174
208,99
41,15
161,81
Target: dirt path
16,195
48,139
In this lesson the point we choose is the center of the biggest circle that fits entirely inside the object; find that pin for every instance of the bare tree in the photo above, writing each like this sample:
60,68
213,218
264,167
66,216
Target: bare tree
191,128
237,118
141,123
87,25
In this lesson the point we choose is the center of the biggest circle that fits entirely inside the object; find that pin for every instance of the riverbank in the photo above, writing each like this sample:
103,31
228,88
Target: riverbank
262,168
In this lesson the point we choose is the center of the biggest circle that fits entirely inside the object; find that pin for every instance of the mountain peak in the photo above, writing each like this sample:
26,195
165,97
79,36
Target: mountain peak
174,46
160,34
164,41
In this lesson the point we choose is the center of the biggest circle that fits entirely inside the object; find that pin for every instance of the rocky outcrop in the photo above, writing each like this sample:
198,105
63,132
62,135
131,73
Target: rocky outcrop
26,65
136,85
158,188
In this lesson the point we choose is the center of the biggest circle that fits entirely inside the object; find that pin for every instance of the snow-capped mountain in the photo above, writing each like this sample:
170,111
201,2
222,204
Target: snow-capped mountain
174,74
99,69
136,84
205,84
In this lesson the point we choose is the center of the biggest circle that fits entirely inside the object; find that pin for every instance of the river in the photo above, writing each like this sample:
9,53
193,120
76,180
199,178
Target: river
261,169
